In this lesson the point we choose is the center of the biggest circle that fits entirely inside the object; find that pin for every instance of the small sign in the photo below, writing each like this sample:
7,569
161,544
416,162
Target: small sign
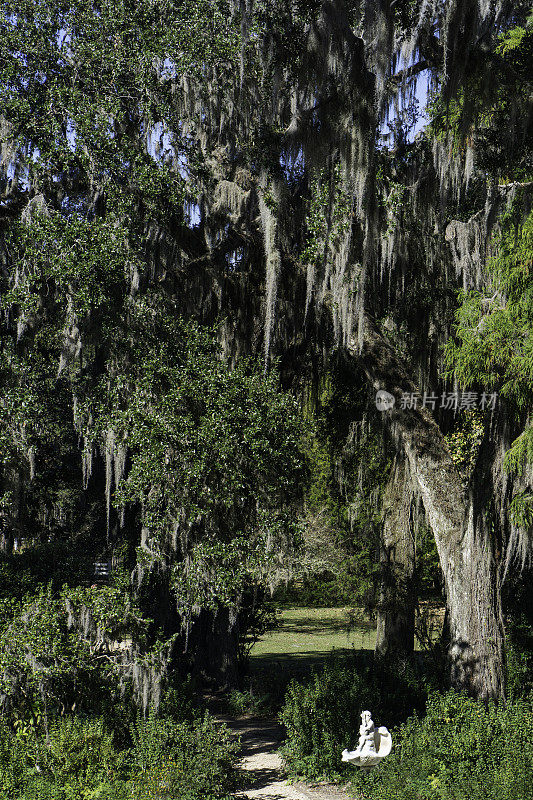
102,569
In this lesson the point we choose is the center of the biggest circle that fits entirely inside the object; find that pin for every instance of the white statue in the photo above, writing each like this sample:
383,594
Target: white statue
373,744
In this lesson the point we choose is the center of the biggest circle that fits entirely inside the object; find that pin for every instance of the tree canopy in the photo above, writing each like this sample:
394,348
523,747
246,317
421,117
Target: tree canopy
189,189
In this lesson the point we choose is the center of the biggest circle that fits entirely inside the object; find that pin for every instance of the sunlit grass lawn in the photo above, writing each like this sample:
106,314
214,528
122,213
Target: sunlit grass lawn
313,631
305,640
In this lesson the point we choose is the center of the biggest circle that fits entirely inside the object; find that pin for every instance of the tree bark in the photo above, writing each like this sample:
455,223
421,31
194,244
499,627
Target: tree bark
10,520
397,597
213,645
464,540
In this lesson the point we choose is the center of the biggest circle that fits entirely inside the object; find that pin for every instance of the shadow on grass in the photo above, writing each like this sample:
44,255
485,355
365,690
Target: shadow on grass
310,621
283,667
271,673
324,626
310,658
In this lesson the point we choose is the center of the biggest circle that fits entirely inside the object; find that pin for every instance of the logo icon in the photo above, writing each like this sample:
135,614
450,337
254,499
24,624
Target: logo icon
384,400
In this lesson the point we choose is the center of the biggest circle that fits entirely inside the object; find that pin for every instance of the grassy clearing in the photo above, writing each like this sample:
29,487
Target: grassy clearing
303,643
316,631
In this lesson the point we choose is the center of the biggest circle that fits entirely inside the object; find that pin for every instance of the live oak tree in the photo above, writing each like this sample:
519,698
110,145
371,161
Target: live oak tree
209,456
228,158
493,347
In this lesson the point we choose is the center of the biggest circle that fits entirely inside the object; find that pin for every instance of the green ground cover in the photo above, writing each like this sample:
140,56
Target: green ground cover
315,632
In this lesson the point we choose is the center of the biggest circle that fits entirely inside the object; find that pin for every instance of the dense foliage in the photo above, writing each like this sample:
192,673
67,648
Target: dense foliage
168,758
455,748
212,255
494,340
460,749
322,715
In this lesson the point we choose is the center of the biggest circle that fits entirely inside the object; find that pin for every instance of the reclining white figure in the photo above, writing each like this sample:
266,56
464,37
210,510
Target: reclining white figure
373,744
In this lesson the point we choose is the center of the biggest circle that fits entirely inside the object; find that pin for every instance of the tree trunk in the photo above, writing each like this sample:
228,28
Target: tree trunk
213,646
10,521
397,598
464,540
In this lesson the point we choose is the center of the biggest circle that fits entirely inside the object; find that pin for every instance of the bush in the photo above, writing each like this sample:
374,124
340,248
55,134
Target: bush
77,760
518,603
242,702
262,693
326,590
182,760
322,716
461,750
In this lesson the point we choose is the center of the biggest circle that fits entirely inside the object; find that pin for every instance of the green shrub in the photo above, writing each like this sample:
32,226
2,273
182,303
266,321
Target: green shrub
251,701
262,692
461,750
190,760
179,701
519,668
322,716
518,603
78,760
318,726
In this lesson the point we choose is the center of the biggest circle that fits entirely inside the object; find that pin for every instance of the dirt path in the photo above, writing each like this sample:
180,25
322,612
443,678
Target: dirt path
260,739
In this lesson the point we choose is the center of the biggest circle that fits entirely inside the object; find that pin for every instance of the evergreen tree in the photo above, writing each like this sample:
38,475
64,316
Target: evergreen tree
228,158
